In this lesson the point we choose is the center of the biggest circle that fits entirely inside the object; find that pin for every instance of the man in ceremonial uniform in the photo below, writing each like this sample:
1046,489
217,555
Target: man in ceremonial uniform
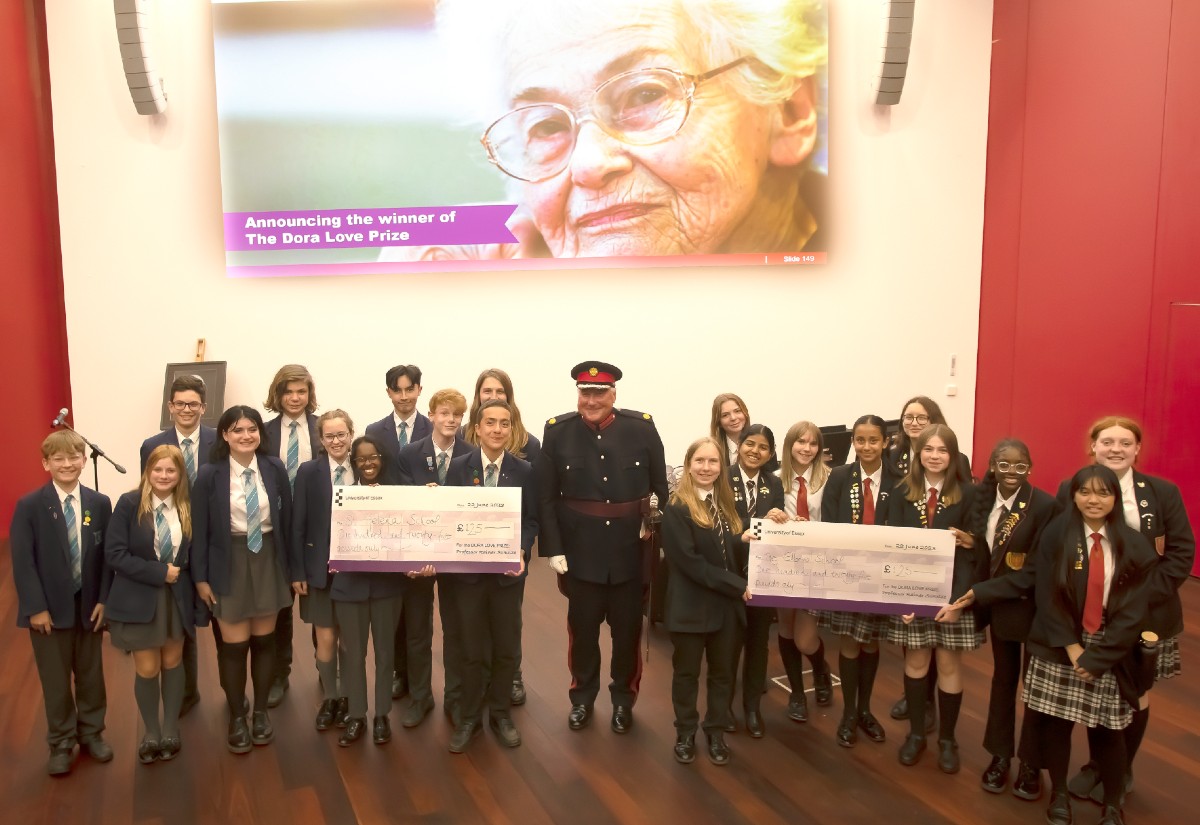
596,472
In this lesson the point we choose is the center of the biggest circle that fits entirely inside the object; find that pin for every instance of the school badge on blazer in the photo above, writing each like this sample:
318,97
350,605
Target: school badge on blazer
1015,561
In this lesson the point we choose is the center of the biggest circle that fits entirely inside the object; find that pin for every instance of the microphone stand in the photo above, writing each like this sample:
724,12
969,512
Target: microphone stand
97,454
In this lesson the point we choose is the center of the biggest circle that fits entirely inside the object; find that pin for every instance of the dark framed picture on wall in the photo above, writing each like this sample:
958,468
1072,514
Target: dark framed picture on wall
212,373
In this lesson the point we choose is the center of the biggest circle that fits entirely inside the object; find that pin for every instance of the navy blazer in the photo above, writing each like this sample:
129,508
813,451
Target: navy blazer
211,539
970,564
514,472
312,504
41,556
272,438
138,575
208,437
703,591
417,464
384,431
838,503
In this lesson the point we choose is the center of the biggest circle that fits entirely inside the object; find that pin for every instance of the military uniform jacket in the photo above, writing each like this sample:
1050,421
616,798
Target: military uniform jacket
621,462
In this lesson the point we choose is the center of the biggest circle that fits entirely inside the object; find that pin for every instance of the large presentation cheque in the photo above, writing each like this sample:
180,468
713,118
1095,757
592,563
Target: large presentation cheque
398,529
858,567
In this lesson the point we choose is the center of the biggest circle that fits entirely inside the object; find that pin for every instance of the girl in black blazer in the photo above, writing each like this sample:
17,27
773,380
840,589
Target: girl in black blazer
704,547
1010,515
935,496
756,494
151,607
241,514
729,417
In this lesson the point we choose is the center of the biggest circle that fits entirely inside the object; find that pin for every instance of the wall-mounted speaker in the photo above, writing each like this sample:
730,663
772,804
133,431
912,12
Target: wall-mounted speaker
141,72
897,40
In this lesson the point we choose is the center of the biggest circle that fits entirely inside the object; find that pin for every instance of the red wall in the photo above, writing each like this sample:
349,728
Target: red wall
1092,232
34,372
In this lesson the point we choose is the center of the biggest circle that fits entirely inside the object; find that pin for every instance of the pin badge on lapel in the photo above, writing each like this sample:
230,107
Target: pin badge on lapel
429,462
1141,484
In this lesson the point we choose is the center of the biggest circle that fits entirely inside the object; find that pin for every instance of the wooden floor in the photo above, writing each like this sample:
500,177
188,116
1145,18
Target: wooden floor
796,775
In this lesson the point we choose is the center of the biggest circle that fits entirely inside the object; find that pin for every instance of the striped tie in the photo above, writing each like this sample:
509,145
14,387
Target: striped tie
253,517
442,466
162,536
73,541
189,460
402,433
489,475
339,476
293,453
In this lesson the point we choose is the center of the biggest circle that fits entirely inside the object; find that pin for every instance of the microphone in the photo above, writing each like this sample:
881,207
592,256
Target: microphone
62,416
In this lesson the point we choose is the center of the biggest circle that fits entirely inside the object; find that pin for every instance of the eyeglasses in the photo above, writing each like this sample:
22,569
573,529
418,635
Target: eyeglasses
367,459
915,419
190,406
642,107
331,437
1020,468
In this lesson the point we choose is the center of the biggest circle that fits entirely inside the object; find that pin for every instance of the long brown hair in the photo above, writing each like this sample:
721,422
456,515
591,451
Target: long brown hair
286,375
914,482
687,495
820,470
714,425
182,498
519,436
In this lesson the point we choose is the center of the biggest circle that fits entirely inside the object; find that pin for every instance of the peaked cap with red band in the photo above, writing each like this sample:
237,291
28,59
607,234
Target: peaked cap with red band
595,375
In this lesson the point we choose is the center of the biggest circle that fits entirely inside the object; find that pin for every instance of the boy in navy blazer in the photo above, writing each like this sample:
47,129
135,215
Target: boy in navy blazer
62,582
404,425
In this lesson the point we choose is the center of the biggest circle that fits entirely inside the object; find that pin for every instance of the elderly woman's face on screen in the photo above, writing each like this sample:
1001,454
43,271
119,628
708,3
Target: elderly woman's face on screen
682,195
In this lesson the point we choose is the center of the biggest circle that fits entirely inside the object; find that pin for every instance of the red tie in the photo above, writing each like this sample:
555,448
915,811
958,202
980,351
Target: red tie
801,498
868,503
931,506
1093,605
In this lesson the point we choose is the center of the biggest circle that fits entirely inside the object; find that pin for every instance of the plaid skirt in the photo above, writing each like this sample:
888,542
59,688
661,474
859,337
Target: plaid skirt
862,627
923,632
1056,690
1168,659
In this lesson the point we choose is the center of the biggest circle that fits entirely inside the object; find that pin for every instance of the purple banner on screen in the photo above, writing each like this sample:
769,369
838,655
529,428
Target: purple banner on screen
350,228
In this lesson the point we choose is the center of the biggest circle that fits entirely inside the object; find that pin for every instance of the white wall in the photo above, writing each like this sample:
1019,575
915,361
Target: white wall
143,262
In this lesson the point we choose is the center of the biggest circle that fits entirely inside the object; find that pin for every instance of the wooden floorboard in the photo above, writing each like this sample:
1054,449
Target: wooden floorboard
796,775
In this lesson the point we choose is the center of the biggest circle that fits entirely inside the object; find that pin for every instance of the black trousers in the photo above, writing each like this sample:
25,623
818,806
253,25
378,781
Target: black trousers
588,605
490,621
753,643
417,617
1008,662
717,649
66,653
356,621
283,642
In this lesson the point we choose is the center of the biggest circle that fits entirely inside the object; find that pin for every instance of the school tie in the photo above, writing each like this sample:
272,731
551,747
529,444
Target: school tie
339,476
719,524
489,475
751,499
402,433
931,506
293,453
162,534
73,542
1093,605
801,498
443,465
189,460
253,517
868,502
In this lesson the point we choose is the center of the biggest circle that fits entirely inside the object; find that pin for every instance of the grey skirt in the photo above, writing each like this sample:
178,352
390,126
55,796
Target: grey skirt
923,632
165,626
256,587
317,608
1055,689
864,628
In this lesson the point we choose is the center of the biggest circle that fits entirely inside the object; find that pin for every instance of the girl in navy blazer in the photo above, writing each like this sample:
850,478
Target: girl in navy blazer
704,546
152,604
241,515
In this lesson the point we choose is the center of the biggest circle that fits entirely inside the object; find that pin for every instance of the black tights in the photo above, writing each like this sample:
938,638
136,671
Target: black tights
1107,748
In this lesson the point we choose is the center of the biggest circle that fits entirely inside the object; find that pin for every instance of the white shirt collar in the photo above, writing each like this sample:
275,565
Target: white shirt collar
486,461
194,436
1003,502
937,486
169,501
236,470
62,494
411,421
333,465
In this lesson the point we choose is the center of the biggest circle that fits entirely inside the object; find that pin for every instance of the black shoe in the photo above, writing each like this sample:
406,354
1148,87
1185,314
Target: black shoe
147,751
797,709
995,778
911,750
353,732
900,709
326,714
754,724
238,740
399,687
381,731
463,735
1112,816
622,719
1097,794
416,712
98,749
168,748
1059,812
869,725
261,732
718,751
189,701
60,761
506,732
1084,782
278,688
823,688
948,756
1028,784
342,713
579,717
685,748
847,737
517,697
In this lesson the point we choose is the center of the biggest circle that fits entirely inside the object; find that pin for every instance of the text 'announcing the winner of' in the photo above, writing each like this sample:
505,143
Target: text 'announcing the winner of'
401,529
861,568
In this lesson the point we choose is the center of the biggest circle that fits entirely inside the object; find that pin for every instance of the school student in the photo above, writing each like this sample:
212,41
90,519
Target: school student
934,496
489,604
729,416
152,605
57,543
241,514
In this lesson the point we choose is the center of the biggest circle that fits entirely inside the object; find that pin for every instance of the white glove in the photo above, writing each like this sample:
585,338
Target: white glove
558,564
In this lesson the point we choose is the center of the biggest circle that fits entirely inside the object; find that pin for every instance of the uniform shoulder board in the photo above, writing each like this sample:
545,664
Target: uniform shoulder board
634,414
558,419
